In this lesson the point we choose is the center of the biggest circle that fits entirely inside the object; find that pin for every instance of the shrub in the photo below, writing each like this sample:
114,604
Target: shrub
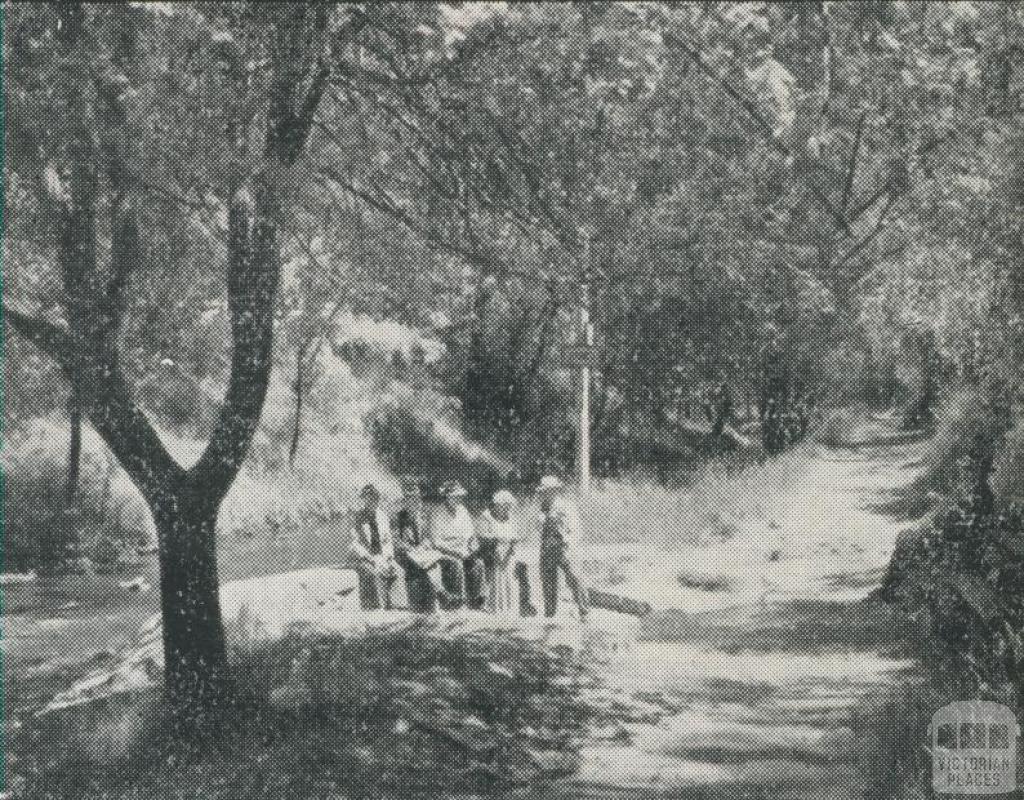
838,429
411,434
965,576
967,438
41,528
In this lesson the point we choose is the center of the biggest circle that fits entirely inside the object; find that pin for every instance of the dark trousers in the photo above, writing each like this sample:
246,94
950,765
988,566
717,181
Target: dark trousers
465,578
526,608
418,587
553,558
374,588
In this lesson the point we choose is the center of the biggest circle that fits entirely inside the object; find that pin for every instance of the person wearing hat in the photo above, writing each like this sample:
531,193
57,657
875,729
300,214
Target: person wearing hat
374,550
415,551
454,536
559,536
499,534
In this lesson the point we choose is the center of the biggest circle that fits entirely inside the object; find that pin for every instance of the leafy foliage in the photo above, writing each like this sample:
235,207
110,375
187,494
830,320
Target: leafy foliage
966,574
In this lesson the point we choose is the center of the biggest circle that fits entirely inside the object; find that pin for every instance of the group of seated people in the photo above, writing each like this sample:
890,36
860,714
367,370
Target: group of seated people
449,560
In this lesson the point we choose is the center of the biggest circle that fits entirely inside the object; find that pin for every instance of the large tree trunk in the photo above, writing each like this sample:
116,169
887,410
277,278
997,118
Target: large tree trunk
184,502
196,675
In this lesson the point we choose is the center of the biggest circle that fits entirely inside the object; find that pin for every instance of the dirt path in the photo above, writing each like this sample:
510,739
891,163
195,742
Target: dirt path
767,674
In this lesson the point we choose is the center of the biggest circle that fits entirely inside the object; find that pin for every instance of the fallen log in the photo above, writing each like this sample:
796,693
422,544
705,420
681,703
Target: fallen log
615,602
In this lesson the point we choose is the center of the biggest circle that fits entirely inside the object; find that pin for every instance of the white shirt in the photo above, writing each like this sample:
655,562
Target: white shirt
502,530
562,517
453,532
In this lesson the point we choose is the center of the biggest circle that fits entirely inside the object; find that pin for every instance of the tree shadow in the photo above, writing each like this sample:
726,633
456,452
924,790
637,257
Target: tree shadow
804,626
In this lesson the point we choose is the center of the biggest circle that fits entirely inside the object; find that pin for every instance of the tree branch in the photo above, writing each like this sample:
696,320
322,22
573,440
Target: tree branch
290,118
835,213
388,206
125,254
122,424
852,170
766,128
52,339
868,203
748,105
253,272
133,440
549,312
303,119
869,237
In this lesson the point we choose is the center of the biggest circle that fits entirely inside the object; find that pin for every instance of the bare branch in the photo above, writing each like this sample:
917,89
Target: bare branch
748,105
851,171
54,340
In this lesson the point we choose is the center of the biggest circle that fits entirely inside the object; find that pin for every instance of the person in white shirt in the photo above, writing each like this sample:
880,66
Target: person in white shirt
455,538
559,538
499,532
374,550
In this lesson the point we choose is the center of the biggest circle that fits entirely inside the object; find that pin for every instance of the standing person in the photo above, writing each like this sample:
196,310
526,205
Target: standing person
500,531
461,568
375,551
415,552
721,404
559,540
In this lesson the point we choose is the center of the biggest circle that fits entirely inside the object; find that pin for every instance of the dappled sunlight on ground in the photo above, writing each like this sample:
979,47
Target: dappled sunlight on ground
762,638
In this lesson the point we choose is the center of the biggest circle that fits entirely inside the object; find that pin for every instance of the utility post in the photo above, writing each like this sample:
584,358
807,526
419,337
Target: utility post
586,342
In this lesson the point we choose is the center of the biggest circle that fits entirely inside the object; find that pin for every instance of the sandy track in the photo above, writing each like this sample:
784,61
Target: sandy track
766,653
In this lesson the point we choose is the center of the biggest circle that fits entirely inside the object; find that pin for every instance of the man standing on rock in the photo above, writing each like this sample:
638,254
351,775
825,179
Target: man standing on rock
559,538
455,537
375,551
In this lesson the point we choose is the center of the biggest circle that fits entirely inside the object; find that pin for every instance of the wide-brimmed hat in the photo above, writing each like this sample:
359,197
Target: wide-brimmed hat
453,489
550,482
370,491
503,498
